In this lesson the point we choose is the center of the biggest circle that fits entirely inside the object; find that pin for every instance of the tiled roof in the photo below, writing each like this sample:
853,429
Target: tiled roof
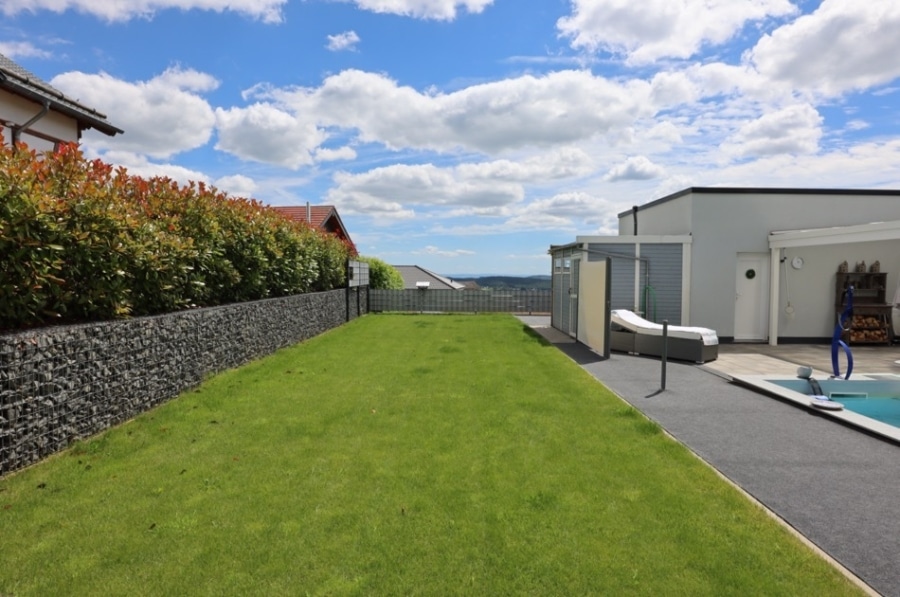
412,274
319,214
20,81
321,217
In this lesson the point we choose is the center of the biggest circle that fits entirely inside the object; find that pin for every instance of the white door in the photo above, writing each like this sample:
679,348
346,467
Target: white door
751,297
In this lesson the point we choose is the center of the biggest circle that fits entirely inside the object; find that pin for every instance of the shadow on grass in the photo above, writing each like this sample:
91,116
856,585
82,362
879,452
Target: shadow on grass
529,331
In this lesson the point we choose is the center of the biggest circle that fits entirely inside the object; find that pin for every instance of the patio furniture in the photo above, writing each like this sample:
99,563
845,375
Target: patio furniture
633,334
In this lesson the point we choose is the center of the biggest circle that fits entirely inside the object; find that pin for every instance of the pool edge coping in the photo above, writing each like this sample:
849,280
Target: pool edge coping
761,384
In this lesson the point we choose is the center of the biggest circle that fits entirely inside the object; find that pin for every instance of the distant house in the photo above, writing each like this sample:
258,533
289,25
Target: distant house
34,112
419,277
320,217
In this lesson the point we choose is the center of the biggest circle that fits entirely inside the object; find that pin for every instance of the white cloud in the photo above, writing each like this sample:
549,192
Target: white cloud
634,168
885,91
343,41
557,164
424,184
866,165
651,29
485,188
795,129
268,11
332,155
22,49
565,210
352,195
160,117
843,45
139,165
432,250
263,133
665,132
526,111
237,185
570,212
441,10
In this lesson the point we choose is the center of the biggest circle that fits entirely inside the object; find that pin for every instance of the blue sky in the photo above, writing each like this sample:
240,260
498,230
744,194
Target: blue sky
467,136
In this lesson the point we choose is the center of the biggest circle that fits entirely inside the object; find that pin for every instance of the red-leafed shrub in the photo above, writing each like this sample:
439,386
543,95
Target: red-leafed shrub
82,241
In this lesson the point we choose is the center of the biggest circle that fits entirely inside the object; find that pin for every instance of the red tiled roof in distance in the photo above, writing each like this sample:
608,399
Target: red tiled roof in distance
321,217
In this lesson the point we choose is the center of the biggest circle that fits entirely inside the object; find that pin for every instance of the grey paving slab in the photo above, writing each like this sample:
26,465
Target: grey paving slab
837,486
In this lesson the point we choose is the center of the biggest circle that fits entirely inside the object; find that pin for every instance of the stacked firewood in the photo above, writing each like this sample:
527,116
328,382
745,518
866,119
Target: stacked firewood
868,328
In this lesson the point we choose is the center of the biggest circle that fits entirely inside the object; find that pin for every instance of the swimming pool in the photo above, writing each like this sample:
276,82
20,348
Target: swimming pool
871,402
877,399
881,408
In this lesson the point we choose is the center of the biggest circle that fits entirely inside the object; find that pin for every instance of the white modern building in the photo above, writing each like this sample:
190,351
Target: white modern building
754,264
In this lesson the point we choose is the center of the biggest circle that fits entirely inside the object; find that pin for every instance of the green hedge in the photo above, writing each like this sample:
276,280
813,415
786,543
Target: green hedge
82,241
383,275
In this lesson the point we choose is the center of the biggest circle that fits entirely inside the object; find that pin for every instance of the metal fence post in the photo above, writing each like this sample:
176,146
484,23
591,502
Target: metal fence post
665,353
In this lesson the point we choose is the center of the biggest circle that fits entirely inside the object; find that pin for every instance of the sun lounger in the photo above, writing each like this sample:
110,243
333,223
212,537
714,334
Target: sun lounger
633,334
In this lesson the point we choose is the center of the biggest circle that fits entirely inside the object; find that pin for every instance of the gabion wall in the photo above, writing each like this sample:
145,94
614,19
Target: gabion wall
64,383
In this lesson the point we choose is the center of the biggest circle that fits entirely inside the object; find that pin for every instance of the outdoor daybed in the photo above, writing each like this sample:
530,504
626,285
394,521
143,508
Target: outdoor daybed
633,334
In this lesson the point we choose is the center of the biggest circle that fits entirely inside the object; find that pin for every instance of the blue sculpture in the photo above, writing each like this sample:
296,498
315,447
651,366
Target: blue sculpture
836,341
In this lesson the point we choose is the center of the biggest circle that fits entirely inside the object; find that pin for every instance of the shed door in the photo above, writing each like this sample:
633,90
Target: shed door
573,297
751,315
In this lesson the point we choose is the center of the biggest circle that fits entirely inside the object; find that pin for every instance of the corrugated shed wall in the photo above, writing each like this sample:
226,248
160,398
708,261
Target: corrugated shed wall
663,301
659,297
622,272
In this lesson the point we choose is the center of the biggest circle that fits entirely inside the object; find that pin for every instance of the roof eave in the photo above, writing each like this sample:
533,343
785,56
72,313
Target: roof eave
86,120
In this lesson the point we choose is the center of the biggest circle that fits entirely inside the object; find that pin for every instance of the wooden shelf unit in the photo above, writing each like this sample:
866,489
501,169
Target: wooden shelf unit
871,320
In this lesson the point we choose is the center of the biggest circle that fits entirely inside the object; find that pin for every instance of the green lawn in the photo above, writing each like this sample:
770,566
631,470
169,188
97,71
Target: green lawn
434,455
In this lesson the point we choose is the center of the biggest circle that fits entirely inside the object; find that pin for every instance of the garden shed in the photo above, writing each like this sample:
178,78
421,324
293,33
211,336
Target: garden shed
754,264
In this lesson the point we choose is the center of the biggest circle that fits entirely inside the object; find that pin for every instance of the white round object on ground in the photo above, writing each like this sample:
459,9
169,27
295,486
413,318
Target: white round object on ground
825,403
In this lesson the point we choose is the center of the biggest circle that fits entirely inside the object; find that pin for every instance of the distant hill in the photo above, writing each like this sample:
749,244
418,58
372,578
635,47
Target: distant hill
508,282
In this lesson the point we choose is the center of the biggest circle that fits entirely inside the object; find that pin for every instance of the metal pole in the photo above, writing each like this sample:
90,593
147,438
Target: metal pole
665,353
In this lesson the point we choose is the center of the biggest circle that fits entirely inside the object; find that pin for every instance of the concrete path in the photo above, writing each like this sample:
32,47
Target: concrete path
837,486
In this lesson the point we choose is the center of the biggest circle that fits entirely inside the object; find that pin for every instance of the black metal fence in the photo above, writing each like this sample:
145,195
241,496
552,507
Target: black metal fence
460,301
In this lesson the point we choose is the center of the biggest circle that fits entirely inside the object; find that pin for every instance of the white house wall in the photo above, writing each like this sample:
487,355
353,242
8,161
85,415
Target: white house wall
727,223
811,289
671,217
18,110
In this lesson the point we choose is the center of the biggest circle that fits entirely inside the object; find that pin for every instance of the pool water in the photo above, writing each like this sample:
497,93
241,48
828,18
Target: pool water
884,409
878,399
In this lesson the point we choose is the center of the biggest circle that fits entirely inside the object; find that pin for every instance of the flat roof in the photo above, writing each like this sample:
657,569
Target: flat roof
762,191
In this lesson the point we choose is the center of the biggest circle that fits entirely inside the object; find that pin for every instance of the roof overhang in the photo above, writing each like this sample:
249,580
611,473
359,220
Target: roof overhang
836,235
625,239
85,116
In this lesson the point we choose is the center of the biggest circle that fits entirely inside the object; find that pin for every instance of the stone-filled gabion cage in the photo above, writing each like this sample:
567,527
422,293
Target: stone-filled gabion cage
64,383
